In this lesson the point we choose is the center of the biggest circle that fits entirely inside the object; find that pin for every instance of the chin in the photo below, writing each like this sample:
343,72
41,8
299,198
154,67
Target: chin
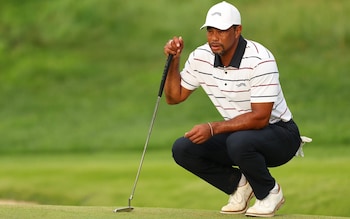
218,53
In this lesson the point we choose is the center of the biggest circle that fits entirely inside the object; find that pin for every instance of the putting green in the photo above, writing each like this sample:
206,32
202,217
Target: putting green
11,211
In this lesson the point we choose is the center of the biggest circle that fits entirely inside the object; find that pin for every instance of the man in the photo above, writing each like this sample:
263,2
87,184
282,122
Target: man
257,131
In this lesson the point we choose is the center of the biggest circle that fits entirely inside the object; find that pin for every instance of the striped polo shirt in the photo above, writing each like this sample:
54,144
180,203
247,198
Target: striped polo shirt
251,77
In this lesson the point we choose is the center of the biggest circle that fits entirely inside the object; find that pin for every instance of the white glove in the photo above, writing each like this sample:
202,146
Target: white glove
304,140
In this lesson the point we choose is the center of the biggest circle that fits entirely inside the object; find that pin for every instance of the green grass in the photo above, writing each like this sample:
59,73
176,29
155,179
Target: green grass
314,185
79,80
81,77
53,212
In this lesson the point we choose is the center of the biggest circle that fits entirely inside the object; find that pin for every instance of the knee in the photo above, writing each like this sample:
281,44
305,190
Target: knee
179,149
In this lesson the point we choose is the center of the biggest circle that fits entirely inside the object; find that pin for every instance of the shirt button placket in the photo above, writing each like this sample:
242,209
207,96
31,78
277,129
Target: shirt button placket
225,74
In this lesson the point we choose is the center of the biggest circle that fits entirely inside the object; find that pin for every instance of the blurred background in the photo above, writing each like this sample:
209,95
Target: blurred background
79,80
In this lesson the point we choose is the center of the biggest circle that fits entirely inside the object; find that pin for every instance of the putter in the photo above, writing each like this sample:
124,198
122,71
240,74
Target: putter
162,83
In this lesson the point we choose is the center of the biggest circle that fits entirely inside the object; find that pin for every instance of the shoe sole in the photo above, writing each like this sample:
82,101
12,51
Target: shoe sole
278,206
243,210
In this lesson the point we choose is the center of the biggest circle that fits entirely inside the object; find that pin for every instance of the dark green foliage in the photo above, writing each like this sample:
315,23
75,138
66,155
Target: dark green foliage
82,76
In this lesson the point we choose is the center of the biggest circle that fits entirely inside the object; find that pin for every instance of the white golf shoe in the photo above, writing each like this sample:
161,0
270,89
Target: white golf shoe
238,202
268,206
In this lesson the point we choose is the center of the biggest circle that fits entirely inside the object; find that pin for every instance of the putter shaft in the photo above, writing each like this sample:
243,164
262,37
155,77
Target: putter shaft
160,92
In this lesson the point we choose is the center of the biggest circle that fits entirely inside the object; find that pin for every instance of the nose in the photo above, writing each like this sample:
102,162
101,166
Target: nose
213,35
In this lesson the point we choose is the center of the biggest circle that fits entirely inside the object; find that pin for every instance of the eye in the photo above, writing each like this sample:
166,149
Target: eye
221,32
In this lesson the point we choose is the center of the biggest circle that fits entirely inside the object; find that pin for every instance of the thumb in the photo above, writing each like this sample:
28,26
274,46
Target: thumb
180,45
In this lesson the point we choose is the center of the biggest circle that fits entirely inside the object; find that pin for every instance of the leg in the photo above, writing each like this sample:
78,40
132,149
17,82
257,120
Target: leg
209,161
256,150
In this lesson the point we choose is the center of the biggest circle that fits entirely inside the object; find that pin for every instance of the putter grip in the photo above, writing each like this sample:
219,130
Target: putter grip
165,73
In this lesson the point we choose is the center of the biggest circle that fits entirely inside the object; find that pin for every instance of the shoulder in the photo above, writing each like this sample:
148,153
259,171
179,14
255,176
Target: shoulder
255,49
258,56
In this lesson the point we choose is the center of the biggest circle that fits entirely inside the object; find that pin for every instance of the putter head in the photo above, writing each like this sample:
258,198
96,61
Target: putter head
125,209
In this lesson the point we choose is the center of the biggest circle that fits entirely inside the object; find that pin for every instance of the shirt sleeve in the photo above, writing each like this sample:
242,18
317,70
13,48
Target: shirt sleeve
265,85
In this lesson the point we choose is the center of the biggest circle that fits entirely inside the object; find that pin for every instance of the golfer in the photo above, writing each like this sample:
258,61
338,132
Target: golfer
241,79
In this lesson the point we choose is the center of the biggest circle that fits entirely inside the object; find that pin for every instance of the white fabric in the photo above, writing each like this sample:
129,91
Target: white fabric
222,16
232,90
304,140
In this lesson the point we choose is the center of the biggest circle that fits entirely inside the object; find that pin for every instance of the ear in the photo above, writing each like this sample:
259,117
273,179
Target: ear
238,31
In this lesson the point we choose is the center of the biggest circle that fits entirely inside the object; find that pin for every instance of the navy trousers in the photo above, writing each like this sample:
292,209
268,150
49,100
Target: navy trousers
223,159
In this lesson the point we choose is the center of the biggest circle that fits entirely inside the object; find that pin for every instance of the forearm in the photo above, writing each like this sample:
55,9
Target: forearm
243,122
173,90
257,119
202,132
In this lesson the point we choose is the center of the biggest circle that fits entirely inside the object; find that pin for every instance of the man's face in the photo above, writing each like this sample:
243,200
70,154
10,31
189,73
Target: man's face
222,42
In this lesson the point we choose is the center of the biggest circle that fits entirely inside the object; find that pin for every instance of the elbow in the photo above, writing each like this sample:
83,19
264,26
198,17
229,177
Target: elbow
260,126
170,101
260,122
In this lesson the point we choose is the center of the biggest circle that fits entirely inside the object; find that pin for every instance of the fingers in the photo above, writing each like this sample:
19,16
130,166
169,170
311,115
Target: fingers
174,46
195,138
198,134
192,135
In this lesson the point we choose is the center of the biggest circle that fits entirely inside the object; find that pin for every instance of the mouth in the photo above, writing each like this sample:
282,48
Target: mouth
215,47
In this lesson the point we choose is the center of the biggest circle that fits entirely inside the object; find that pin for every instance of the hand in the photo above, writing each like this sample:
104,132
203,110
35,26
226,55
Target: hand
199,133
174,47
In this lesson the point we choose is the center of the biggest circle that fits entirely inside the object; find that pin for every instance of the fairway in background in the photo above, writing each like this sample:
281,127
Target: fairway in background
78,83
82,77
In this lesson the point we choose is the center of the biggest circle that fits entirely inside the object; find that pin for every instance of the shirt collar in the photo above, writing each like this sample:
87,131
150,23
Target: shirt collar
237,57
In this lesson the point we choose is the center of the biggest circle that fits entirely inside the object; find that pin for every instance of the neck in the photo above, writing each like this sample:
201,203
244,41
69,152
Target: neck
227,56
